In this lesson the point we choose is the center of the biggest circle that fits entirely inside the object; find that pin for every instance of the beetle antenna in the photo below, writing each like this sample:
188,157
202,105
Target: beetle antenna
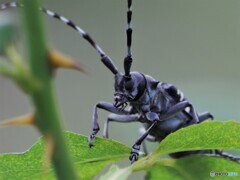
128,58
104,58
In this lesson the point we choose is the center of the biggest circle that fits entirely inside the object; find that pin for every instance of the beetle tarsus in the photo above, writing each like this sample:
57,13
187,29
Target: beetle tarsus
134,153
133,157
92,136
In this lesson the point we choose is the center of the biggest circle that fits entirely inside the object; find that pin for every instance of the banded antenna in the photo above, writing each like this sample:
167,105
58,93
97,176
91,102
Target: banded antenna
128,58
104,58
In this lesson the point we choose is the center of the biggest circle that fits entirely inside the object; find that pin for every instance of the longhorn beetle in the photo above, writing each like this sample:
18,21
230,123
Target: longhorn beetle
159,106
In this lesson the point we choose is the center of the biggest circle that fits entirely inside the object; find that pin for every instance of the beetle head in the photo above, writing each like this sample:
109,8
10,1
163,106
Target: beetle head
128,89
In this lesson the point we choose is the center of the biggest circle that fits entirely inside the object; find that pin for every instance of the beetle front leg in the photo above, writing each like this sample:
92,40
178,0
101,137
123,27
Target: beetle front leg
150,138
108,107
96,127
136,147
118,118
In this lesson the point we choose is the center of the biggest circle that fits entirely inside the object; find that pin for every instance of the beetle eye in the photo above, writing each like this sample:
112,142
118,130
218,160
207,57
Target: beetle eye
129,85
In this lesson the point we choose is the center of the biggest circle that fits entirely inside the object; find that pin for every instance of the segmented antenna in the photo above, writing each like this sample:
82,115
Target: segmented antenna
227,156
104,58
128,58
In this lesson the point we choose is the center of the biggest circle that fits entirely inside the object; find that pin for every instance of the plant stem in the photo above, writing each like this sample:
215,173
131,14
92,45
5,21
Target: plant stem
47,116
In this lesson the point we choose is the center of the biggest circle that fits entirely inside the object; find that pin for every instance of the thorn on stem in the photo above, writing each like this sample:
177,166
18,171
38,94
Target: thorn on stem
59,60
22,120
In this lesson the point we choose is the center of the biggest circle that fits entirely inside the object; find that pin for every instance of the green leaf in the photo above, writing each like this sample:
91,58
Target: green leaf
207,135
88,161
116,173
192,167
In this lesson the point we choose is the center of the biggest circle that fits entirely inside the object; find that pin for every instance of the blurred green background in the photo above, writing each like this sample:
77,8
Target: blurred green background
190,43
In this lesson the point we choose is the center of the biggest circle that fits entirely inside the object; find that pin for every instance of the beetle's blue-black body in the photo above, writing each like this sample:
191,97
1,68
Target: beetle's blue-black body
160,107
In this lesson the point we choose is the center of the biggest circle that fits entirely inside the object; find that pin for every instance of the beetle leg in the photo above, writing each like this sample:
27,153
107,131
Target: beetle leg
136,147
194,115
152,116
118,118
150,138
175,109
108,107
204,116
